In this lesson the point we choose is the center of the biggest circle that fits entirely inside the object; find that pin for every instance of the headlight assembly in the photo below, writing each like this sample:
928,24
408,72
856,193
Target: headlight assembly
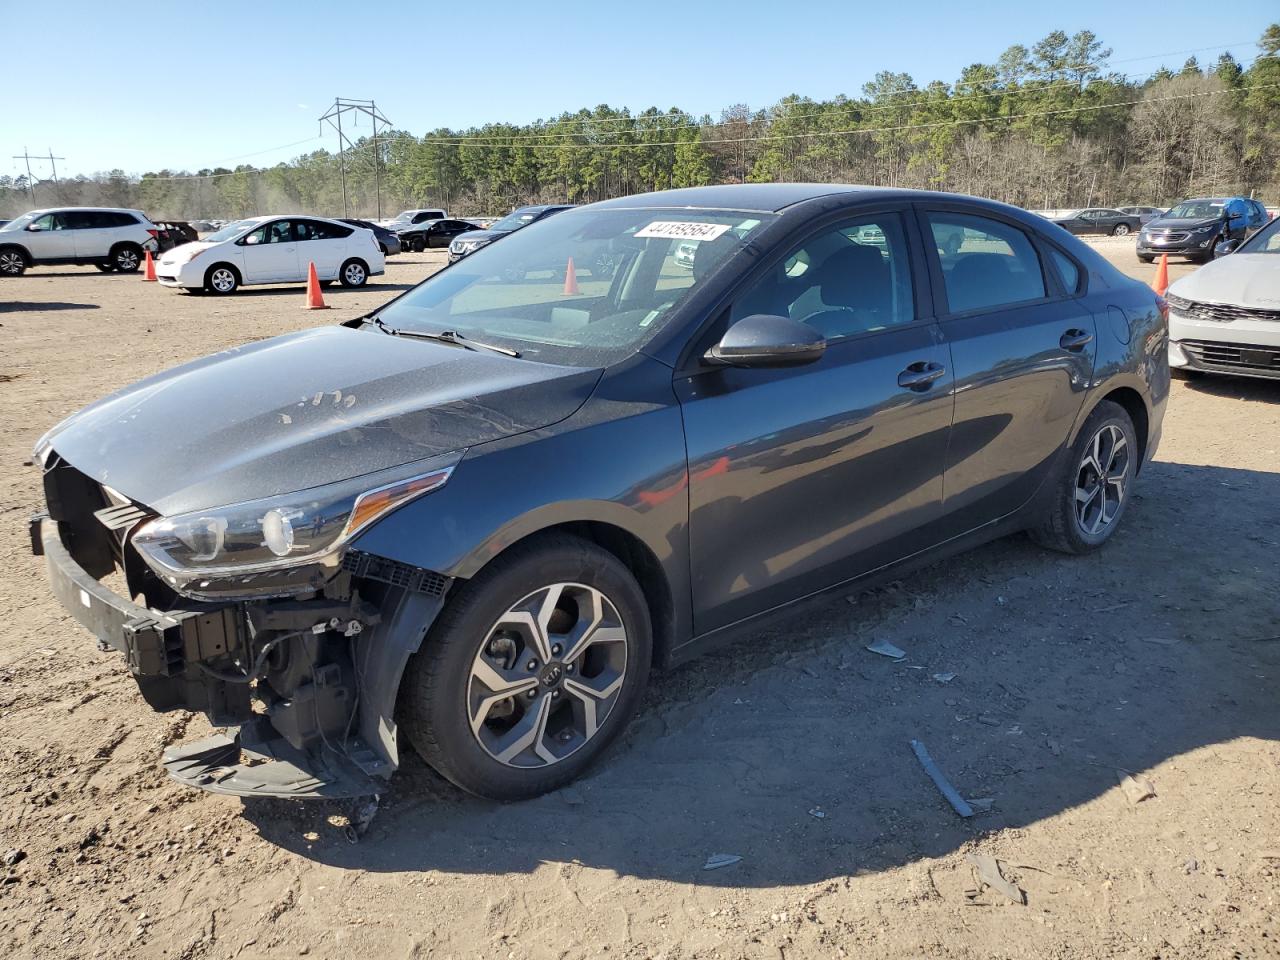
280,545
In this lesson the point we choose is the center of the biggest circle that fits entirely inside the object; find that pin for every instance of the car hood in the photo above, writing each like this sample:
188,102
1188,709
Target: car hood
1242,279
185,251
489,235
1165,223
304,410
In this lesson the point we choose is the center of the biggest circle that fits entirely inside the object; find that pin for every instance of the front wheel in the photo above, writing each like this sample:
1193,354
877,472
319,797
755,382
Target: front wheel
1121,230
418,245
1093,486
221,279
354,273
12,263
533,667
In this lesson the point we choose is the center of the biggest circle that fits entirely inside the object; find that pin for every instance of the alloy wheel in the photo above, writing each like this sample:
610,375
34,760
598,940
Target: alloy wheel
547,676
126,261
222,280
354,274
1102,480
11,263
1122,229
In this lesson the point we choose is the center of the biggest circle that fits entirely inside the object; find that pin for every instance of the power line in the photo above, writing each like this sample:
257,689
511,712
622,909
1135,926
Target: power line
31,178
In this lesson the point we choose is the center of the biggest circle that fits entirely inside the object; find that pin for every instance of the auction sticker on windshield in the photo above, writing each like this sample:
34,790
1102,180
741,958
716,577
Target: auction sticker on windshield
682,230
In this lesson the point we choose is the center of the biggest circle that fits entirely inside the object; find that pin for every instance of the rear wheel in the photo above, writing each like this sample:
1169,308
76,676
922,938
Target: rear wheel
1120,230
12,263
126,257
1093,488
221,279
530,671
354,273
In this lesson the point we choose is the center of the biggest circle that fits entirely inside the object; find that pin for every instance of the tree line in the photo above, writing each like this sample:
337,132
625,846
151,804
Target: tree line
1045,126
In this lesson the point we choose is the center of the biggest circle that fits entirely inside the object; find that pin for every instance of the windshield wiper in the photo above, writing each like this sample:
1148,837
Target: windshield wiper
445,336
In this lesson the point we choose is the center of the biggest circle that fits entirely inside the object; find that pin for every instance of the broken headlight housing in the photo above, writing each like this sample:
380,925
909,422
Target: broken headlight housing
282,545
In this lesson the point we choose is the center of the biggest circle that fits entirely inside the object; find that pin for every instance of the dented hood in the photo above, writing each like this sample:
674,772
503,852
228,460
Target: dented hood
307,409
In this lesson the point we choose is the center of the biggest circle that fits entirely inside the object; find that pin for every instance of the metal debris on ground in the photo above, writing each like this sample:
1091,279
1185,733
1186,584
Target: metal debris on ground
718,860
361,818
887,649
944,786
982,804
1163,641
1135,788
818,813
989,874
944,677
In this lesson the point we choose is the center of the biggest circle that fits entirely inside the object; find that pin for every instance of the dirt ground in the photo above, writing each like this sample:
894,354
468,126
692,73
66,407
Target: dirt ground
1157,656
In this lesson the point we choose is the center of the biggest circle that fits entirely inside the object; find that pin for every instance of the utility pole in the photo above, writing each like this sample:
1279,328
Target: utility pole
31,178
333,115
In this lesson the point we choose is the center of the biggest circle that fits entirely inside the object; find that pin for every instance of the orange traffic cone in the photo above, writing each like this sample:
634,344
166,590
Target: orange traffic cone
150,273
570,280
1161,283
314,300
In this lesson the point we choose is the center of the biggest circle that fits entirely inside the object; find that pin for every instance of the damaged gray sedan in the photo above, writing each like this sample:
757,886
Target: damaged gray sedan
476,518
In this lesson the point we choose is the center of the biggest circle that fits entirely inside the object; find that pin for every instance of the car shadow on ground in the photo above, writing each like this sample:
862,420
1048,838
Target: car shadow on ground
1236,388
25,306
792,749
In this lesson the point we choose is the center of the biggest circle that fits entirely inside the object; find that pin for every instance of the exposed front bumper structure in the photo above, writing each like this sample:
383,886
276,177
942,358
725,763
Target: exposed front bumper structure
307,685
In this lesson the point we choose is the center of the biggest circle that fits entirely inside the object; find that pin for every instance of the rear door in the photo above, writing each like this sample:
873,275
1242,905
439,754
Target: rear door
1022,347
270,253
323,244
802,477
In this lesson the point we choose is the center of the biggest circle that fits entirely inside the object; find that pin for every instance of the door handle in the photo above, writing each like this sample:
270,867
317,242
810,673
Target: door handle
1076,340
921,375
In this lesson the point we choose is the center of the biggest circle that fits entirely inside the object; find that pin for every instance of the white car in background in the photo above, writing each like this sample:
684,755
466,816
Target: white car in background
110,238
273,250
1225,317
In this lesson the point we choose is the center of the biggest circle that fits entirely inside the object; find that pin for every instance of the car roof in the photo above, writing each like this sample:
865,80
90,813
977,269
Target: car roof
762,197
88,209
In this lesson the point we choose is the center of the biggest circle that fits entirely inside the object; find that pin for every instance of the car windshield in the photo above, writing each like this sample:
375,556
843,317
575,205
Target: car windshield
1266,240
227,232
583,288
19,222
515,220
1196,210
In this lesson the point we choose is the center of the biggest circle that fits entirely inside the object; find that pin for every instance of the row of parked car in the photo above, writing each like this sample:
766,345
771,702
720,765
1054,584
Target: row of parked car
1193,228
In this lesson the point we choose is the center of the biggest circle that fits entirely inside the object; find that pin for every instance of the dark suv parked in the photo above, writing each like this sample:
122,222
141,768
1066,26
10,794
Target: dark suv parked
1193,228
505,497
433,233
517,219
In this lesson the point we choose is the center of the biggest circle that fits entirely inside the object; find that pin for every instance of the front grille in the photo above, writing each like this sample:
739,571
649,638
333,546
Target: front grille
1242,355
1167,237
1219,312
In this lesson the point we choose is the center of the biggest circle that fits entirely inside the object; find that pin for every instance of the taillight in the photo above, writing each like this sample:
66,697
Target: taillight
155,234
1163,306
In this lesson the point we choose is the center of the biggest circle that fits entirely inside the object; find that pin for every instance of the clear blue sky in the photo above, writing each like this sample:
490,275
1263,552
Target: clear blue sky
147,86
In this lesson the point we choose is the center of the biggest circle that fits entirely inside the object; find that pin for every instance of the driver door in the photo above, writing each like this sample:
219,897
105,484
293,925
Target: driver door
50,238
803,477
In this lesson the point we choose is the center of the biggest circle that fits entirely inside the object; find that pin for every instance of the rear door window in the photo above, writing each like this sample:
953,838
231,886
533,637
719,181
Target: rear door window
992,265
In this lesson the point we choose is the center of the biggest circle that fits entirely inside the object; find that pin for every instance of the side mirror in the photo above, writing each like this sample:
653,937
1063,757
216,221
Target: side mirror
34,227
763,340
1225,247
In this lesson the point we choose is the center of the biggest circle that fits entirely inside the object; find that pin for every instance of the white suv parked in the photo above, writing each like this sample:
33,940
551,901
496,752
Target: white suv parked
109,238
273,250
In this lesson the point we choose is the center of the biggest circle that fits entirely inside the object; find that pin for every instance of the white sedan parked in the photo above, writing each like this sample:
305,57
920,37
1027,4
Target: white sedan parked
273,250
1225,317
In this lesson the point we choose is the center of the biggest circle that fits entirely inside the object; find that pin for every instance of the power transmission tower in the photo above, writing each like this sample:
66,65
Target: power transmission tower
31,178
333,115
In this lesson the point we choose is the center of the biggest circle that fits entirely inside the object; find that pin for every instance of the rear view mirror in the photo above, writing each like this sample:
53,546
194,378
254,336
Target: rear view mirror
1225,247
764,340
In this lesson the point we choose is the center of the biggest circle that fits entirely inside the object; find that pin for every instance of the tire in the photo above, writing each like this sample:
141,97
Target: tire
13,263
1074,524
1146,259
418,245
354,273
1121,230
106,267
222,279
126,257
503,757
